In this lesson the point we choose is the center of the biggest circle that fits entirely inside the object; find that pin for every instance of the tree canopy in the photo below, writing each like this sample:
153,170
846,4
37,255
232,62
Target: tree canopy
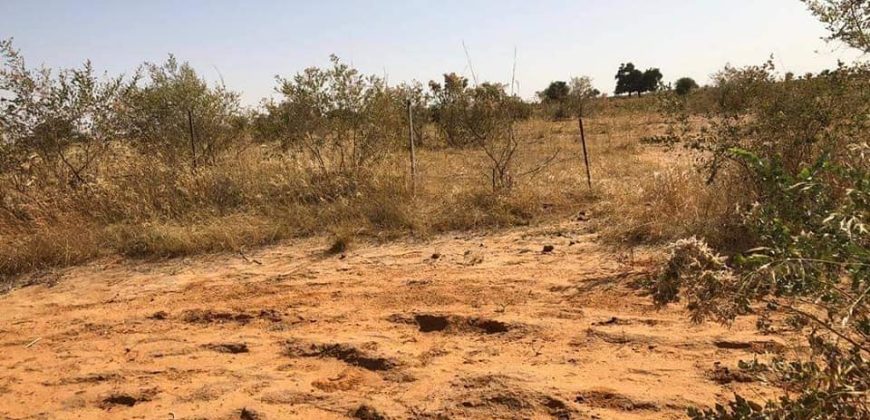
847,20
630,80
557,91
684,85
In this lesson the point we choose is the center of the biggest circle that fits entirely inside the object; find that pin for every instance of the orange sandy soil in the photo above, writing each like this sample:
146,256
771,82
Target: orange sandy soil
470,326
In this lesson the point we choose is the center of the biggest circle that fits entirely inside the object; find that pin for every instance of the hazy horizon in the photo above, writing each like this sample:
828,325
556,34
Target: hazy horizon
248,44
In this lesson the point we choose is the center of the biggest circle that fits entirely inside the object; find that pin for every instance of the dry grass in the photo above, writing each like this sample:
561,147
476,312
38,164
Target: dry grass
141,207
673,203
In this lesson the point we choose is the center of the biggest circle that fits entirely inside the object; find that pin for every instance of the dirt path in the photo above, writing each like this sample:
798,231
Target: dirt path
455,327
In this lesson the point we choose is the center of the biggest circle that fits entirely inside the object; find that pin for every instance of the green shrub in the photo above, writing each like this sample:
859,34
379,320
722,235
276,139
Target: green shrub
55,126
176,115
342,120
800,147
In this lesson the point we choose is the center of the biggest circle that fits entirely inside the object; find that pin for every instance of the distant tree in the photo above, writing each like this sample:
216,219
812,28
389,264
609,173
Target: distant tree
556,92
554,98
651,80
628,79
685,85
580,94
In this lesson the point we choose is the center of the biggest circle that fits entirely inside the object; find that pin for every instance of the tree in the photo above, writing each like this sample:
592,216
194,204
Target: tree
555,98
847,20
344,120
450,102
685,85
650,81
580,94
57,123
557,92
628,79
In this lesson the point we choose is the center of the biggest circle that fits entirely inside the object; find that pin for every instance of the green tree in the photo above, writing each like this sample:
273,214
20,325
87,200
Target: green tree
847,20
650,81
579,98
54,126
684,85
628,79
556,92
450,103
342,120
555,97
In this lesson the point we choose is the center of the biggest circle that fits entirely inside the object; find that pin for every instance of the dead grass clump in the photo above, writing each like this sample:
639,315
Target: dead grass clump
482,209
672,204
174,240
58,245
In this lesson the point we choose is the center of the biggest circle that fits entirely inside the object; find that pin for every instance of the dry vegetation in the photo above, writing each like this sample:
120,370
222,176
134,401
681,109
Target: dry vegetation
760,178
148,198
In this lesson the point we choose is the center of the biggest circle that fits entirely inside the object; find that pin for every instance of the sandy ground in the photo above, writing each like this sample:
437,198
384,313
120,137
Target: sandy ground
470,326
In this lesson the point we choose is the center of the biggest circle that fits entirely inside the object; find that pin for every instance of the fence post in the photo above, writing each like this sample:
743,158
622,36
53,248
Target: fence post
192,138
585,155
412,149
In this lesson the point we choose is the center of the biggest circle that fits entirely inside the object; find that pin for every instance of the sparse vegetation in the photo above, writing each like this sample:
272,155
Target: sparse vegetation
159,163
756,187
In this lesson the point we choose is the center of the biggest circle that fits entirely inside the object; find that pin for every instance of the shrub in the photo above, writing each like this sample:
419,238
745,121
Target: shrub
178,116
799,147
55,127
342,120
451,102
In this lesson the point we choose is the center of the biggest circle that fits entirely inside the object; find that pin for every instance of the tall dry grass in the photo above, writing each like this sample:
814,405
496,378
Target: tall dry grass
139,206
253,195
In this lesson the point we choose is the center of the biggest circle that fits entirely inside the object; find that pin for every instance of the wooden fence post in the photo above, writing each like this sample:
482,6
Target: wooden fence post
192,138
585,154
412,149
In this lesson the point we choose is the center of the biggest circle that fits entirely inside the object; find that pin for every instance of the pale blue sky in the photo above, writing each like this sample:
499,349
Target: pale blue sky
249,42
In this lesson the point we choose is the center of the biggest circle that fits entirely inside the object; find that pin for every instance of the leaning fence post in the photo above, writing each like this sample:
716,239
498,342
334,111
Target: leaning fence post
192,138
413,152
585,155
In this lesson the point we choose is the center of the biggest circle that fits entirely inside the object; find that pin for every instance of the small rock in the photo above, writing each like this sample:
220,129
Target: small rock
231,348
248,414
365,412
548,249
159,315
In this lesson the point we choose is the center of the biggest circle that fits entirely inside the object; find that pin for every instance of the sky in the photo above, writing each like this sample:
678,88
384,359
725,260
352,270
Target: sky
248,43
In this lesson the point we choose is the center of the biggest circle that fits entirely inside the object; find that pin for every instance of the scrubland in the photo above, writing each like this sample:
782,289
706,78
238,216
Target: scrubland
166,250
